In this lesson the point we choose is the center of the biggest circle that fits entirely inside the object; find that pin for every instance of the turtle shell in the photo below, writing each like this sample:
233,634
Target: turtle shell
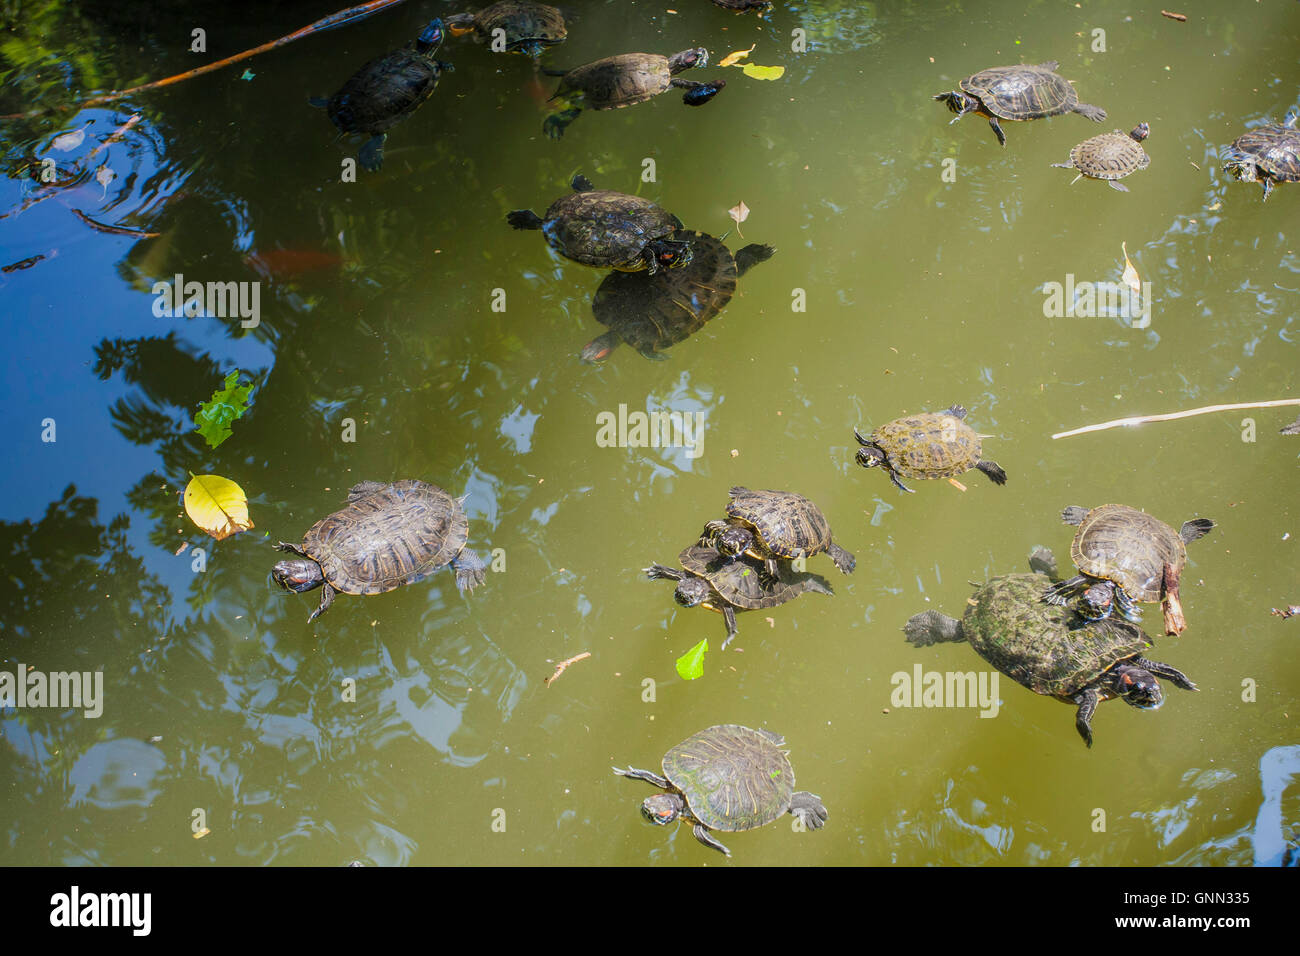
786,524
929,445
1274,148
382,539
525,24
731,777
618,81
606,229
738,580
1109,156
1044,647
384,92
1022,92
1128,547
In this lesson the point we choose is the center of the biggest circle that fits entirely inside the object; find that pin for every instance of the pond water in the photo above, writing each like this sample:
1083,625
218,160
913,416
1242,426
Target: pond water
405,331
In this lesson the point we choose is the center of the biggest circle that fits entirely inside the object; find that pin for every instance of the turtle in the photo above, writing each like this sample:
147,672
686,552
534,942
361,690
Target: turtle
1267,155
1110,156
727,778
774,524
626,80
387,535
527,28
385,91
1126,557
652,313
710,578
1292,429
1022,92
928,445
744,6
1051,649
607,229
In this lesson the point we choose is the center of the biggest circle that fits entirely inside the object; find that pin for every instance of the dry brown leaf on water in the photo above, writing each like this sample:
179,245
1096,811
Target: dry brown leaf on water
1131,278
736,57
217,505
739,212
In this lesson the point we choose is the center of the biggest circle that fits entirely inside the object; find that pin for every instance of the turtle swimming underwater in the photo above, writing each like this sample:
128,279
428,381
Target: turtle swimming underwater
721,584
1266,155
626,80
1110,156
653,313
928,445
385,91
1126,556
727,779
512,26
386,536
1050,649
608,230
743,6
1022,92
770,525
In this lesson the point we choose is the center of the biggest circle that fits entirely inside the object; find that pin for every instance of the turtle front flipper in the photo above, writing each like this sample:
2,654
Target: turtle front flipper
658,572
702,834
1200,527
993,471
1173,675
752,255
1268,186
645,775
326,599
931,627
997,131
581,184
524,219
469,568
1087,700
652,355
728,618
810,810
1128,609
1043,561
555,124
1118,185
844,560
893,476
319,102
1074,514
697,93
1061,592
371,154
291,548
363,488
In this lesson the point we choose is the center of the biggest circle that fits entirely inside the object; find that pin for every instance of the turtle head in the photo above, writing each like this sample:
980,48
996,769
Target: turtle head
1097,601
959,102
1140,132
870,454
1241,168
1138,686
598,349
663,808
671,253
430,37
688,60
691,591
298,575
732,541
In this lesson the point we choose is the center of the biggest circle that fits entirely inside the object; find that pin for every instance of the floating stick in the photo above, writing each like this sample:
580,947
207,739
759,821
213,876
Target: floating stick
1143,419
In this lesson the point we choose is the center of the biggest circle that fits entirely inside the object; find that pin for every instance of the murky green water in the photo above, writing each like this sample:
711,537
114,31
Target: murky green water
222,706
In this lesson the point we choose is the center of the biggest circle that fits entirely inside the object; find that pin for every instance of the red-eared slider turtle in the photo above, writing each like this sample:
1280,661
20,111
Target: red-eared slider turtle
1266,155
1023,92
1050,649
744,6
1110,156
774,524
386,536
385,91
653,313
512,26
721,584
1126,557
929,445
626,80
727,778
608,230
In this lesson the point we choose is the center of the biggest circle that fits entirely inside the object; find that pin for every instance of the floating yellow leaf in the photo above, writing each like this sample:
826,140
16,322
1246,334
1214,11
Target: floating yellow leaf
739,212
1131,278
217,505
736,57
754,71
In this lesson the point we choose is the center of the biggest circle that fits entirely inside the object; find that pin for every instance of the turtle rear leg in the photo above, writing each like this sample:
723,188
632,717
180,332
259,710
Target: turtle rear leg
524,219
752,255
810,810
319,102
555,124
994,472
658,572
1073,514
1043,561
697,93
645,775
997,131
728,618
363,488
1196,528
844,560
1094,113
371,155
1088,701
1268,186
931,627
469,568
652,355
326,599
1173,675
708,840
581,184
1061,592
1115,184
893,476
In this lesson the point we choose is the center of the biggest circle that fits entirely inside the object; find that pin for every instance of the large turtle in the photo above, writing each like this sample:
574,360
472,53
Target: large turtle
928,445
720,584
626,80
727,778
385,91
608,230
1126,557
1110,156
1050,649
653,313
1266,155
1023,92
386,536
512,26
774,524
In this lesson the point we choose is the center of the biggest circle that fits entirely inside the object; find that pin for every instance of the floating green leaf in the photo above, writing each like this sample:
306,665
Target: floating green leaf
754,71
214,416
691,664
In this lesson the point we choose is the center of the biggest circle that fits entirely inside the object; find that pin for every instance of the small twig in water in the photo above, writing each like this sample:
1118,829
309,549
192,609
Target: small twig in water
1143,419
561,667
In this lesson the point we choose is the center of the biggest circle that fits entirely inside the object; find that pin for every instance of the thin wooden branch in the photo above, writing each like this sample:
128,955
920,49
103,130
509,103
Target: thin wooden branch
561,667
1143,419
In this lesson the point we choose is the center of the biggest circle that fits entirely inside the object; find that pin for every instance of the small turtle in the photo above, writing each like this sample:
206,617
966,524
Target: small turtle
1023,92
744,6
386,536
1050,649
608,230
626,80
1110,156
929,445
1292,429
724,585
1126,557
385,91
774,524
727,778
1266,155
653,313
512,26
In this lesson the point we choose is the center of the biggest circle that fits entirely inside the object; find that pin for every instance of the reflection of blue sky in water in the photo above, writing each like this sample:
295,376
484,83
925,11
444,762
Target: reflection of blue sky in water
1277,769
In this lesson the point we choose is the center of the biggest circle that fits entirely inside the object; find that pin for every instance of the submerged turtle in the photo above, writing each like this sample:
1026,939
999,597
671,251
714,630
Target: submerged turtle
727,778
1050,649
743,6
386,536
385,91
1110,156
1023,92
720,584
626,80
1292,429
608,230
1266,155
1126,557
524,27
774,524
929,445
653,313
